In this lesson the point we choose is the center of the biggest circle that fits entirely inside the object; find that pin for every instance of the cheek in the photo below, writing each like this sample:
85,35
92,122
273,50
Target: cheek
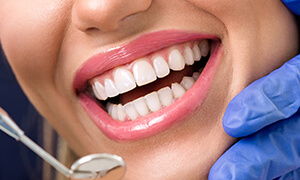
30,37
273,42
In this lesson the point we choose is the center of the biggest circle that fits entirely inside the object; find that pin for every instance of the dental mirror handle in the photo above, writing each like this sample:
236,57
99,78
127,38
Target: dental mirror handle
46,156
8,126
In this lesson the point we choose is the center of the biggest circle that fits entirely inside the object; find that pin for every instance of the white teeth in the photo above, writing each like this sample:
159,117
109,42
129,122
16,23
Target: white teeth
109,108
99,91
124,80
153,102
204,47
166,96
112,110
143,72
161,67
188,56
177,90
110,88
121,113
187,82
196,75
176,60
197,53
130,111
141,106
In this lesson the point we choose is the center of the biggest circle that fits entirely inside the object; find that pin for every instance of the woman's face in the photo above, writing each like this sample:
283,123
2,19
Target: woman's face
63,52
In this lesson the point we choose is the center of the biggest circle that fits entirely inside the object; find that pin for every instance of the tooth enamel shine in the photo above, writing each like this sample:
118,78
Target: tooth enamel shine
114,112
130,111
153,101
161,67
197,53
176,61
121,113
177,90
187,82
141,106
143,72
99,91
124,80
166,96
188,56
110,88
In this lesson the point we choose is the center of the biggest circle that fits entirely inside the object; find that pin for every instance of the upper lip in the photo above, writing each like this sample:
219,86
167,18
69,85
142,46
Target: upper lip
130,51
155,122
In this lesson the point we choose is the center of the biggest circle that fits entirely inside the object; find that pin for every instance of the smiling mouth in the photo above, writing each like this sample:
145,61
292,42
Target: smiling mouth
150,83
141,88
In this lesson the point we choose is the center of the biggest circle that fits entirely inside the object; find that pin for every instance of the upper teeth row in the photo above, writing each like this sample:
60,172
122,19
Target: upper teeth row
144,71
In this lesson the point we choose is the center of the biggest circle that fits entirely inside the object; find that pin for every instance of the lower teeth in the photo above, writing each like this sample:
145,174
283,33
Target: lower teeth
151,102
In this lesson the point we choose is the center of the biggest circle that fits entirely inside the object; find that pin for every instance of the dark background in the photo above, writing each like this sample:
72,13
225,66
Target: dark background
17,162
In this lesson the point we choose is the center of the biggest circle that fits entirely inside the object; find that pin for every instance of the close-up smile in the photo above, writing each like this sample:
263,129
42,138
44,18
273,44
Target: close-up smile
172,89
144,95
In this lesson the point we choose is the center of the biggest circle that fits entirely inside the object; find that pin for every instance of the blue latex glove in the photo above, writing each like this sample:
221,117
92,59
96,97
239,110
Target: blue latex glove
273,151
293,5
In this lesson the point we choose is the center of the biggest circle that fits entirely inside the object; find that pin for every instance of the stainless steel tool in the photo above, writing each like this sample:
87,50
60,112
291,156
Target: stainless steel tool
93,166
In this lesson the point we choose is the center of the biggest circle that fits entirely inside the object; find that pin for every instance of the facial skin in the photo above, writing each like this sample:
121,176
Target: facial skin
46,41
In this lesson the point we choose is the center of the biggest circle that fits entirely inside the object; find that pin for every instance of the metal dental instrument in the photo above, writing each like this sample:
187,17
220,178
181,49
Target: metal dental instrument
94,166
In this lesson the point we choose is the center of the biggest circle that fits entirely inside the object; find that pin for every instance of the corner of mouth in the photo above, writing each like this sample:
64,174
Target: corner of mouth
133,98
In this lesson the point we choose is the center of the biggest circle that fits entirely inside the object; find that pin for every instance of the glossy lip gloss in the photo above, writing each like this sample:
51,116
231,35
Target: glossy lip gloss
159,121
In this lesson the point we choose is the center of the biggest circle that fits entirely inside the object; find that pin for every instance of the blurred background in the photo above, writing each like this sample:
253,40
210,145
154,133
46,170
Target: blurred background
17,162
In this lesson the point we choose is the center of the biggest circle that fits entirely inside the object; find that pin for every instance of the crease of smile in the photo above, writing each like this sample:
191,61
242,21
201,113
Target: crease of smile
150,83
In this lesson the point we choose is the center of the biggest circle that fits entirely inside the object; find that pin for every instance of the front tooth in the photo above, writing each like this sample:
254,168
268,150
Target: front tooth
130,111
188,56
161,67
153,102
99,91
143,72
110,88
141,106
197,53
204,47
196,75
177,90
121,113
166,96
124,80
176,60
187,82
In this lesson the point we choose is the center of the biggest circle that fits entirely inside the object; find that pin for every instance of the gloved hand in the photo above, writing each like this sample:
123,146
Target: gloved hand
272,151
293,5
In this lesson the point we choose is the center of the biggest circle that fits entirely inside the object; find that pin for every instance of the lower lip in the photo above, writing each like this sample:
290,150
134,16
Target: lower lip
160,121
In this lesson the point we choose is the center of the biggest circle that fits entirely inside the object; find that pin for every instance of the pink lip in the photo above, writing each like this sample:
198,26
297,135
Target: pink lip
156,122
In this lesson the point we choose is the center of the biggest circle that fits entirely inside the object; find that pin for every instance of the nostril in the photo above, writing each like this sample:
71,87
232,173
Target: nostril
92,29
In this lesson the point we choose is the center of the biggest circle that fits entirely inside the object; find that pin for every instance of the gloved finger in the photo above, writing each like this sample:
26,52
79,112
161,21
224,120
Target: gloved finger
265,101
294,175
293,5
267,154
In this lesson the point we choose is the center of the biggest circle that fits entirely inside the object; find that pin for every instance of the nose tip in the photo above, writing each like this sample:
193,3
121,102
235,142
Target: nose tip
105,15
